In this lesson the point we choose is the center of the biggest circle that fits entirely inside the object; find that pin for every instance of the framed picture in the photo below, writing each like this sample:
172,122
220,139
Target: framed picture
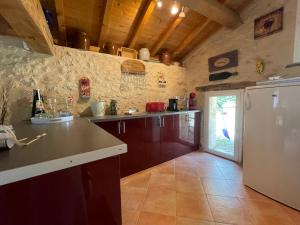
268,24
223,61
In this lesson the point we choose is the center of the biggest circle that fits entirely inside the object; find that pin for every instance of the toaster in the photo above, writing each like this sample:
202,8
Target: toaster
155,107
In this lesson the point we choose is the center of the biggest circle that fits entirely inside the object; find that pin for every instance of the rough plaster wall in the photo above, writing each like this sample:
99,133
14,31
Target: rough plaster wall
21,71
276,50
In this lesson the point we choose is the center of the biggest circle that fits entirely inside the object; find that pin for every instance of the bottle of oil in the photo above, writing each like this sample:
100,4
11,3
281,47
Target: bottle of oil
38,104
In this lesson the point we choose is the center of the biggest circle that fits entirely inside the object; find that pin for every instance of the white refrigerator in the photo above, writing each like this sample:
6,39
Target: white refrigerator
271,148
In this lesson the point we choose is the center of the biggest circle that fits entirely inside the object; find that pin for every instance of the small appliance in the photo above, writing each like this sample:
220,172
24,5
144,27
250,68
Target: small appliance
155,107
173,105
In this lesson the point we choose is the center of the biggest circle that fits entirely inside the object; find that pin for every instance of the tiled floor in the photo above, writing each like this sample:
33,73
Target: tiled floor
198,189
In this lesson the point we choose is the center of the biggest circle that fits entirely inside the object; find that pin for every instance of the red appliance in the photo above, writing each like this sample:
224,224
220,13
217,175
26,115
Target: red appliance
192,101
155,107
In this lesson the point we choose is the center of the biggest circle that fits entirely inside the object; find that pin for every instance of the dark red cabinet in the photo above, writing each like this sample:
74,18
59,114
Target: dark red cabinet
154,140
151,141
88,194
168,138
136,158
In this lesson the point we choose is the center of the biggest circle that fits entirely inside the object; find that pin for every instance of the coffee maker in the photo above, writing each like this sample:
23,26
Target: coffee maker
173,105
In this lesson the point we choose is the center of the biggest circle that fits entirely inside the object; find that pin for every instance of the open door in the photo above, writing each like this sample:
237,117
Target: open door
223,123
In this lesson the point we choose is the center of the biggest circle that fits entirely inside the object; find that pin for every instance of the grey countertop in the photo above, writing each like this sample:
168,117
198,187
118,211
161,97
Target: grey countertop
96,119
65,145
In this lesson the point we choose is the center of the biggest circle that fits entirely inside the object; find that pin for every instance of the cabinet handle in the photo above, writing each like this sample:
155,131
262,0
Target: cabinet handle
163,122
119,127
124,127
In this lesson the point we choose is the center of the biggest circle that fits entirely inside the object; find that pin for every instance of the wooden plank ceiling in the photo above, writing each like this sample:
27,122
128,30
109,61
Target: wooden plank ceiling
140,23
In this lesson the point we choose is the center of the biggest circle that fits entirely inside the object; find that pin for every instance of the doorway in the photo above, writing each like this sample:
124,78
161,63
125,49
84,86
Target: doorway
223,123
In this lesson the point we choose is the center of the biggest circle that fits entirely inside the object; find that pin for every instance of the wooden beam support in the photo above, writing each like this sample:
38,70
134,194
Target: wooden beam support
189,38
209,31
27,20
141,19
166,34
60,13
104,21
214,10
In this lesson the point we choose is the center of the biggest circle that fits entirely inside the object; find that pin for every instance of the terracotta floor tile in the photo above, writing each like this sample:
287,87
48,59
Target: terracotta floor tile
243,191
206,171
162,180
198,188
228,210
188,221
130,217
147,218
140,180
186,171
165,168
293,214
232,173
160,200
133,197
193,206
215,186
266,212
189,185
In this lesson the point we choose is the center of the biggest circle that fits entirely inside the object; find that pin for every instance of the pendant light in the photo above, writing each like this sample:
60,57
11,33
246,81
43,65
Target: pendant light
174,8
182,13
159,3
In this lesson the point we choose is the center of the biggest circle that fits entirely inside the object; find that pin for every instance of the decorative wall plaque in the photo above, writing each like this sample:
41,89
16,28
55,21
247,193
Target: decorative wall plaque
84,88
268,24
223,61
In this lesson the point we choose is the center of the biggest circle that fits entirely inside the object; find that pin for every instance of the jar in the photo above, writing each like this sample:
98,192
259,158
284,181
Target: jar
166,58
98,108
144,54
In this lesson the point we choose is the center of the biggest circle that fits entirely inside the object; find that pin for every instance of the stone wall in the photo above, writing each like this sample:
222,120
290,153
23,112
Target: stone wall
276,50
21,71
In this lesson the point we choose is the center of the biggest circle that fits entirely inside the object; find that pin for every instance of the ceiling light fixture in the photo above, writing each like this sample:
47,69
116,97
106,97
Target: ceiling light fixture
174,8
159,3
182,13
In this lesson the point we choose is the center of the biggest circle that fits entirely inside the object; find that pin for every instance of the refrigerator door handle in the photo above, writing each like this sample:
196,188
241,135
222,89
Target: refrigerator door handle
248,101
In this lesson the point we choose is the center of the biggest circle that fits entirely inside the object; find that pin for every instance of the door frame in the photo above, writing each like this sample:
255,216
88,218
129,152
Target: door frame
238,139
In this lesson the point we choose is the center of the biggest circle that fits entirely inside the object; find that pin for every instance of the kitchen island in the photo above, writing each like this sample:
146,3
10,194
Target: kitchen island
69,177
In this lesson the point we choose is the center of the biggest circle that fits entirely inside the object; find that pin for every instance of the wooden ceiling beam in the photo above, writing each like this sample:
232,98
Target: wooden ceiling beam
104,21
141,19
166,34
215,11
190,37
27,20
204,38
60,14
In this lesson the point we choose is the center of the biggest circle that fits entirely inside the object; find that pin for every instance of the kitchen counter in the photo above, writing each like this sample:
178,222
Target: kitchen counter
96,119
65,145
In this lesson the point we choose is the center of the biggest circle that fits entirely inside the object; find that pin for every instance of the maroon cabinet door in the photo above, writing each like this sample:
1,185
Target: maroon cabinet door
151,141
112,127
132,133
82,195
168,138
188,126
